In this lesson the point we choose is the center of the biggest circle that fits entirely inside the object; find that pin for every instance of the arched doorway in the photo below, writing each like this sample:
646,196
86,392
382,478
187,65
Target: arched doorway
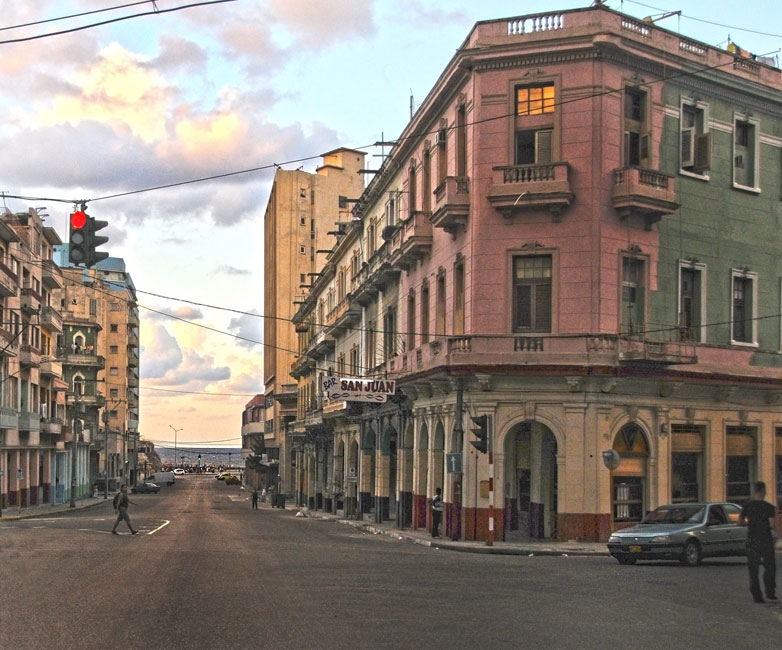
388,456
422,477
351,498
406,487
339,479
628,481
530,481
367,474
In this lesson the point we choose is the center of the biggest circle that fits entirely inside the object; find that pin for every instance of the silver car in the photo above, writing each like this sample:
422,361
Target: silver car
687,532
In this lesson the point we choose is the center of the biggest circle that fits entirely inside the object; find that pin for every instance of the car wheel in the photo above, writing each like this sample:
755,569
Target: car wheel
692,553
625,559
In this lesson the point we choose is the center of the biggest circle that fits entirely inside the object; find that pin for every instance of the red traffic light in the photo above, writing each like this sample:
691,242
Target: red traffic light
78,219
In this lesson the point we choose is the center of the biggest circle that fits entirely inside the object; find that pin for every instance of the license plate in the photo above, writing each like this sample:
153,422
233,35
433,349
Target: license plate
634,549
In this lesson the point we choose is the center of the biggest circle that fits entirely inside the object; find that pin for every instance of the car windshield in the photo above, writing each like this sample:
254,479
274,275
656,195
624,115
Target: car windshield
675,515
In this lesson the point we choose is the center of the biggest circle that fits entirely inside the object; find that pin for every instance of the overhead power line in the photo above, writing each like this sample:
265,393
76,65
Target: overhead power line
70,16
112,20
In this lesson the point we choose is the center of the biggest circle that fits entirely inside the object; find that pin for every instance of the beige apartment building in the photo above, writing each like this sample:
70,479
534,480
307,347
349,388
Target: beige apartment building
35,443
102,342
303,215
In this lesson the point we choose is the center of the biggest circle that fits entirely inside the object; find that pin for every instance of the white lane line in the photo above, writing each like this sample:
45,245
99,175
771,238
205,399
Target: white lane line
36,527
163,525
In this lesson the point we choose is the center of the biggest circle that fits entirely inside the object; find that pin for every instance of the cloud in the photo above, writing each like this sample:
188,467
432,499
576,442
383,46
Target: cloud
251,383
416,13
248,327
231,270
161,354
177,52
185,311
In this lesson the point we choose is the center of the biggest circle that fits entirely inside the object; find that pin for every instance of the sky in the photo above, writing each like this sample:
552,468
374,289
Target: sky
177,96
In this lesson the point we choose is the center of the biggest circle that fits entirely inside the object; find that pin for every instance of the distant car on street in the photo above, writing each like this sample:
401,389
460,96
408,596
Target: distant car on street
687,532
144,488
179,471
232,480
223,475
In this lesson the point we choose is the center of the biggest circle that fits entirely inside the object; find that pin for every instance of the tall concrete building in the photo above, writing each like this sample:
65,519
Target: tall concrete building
575,242
302,216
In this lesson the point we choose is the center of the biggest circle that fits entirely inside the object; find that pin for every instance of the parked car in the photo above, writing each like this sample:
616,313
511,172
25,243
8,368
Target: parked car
232,480
686,532
162,477
179,471
144,488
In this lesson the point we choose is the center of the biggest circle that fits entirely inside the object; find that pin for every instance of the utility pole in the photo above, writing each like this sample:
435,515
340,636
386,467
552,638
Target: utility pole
490,438
175,432
76,432
105,454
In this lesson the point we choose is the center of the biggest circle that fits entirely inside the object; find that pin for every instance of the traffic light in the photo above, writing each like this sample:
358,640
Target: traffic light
78,237
481,433
93,256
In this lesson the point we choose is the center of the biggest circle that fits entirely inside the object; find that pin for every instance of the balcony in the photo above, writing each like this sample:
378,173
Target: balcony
346,313
374,276
90,400
9,284
84,358
411,241
9,418
29,356
132,377
50,367
9,346
302,366
133,341
51,425
29,421
133,319
31,301
643,192
320,344
452,204
287,395
51,275
521,188
51,319
133,359
253,428
525,350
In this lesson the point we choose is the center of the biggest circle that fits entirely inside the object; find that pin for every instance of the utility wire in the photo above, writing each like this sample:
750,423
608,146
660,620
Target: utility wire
79,15
113,20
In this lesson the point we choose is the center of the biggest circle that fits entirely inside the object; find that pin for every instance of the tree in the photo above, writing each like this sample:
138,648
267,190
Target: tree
255,460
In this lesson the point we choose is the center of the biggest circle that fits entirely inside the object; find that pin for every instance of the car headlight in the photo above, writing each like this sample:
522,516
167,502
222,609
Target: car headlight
661,538
614,539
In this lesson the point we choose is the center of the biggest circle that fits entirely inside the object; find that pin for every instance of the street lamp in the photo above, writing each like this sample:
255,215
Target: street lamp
175,432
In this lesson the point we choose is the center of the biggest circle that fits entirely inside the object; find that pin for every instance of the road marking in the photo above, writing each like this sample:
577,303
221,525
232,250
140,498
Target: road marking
39,527
163,525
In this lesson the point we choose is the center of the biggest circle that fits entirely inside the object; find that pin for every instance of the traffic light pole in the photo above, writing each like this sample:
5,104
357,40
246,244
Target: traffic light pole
490,441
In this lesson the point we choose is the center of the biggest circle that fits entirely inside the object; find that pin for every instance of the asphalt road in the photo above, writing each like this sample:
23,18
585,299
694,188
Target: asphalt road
208,572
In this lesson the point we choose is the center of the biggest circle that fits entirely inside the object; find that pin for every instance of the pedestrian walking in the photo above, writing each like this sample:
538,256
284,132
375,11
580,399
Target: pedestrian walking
758,515
437,512
255,499
121,501
263,495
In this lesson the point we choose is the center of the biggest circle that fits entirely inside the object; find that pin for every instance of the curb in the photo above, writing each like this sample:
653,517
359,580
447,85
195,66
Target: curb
455,546
34,515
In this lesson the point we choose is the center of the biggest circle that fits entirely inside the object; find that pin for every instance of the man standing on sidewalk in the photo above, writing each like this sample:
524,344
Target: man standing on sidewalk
255,499
121,502
437,512
759,515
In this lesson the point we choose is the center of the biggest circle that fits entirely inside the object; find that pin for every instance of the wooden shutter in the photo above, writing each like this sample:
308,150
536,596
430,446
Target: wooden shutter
543,146
702,153
543,307
644,147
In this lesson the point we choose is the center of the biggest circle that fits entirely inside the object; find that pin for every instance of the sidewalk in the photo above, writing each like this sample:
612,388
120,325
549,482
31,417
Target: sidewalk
12,513
525,547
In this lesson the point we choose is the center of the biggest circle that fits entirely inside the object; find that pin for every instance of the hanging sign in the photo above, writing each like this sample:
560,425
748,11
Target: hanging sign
351,389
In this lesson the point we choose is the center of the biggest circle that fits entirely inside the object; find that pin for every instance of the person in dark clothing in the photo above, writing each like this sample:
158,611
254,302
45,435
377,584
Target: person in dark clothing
255,499
121,502
759,515
437,512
